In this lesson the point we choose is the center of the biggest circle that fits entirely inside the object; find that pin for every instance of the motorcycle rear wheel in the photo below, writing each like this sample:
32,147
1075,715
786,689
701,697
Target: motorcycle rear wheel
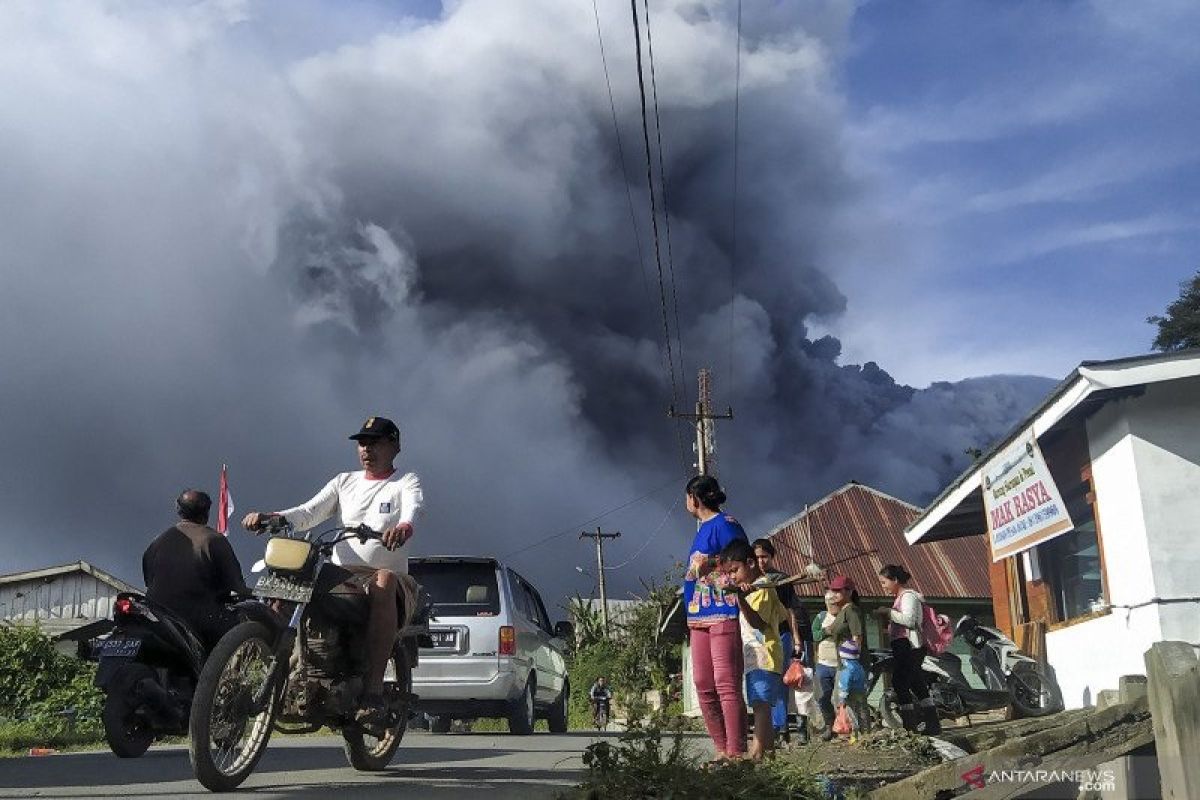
226,740
367,753
1032,693
127,734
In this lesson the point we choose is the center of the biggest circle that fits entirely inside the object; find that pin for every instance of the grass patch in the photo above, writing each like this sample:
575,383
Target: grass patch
16,738
652,760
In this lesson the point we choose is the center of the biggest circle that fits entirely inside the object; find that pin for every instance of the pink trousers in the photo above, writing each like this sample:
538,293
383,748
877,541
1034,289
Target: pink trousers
717,672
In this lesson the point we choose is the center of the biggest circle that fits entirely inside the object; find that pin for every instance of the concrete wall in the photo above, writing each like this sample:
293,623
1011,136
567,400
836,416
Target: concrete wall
1166,427
1145,454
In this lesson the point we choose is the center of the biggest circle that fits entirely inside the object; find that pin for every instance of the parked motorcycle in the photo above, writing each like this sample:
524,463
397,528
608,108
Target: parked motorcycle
300,667
1010,678
148,668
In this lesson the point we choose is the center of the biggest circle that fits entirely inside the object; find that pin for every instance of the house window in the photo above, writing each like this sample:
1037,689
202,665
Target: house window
1072,564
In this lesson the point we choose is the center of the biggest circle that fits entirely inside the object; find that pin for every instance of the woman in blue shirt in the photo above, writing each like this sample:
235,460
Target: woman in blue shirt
712,618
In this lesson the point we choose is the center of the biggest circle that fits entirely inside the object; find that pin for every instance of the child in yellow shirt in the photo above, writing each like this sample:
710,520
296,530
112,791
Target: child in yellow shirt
761,614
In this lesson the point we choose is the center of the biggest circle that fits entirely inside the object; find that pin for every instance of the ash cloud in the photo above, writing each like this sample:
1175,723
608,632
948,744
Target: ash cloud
218,250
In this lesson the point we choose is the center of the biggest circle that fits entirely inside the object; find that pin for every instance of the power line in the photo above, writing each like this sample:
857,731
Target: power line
662,179
637,235
649,539
575,528
737,99
662,292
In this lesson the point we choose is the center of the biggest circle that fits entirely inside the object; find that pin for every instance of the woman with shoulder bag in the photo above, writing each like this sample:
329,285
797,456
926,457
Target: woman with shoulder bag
908,650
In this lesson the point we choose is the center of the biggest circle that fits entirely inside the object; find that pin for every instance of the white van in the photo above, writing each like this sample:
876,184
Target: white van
494,651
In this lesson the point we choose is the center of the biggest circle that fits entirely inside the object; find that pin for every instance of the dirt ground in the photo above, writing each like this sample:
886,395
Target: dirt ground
888,755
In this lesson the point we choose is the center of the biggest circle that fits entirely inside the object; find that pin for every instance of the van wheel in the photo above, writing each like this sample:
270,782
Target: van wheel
557,718
440,724
520,717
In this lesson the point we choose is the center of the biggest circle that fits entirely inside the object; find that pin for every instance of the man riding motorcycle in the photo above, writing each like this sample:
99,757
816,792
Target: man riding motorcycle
192,570
599,693
387,502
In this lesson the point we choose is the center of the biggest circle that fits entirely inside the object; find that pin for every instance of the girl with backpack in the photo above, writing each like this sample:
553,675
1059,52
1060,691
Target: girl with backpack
905,632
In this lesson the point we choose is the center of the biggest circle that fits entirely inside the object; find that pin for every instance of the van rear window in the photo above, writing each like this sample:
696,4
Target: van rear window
458,588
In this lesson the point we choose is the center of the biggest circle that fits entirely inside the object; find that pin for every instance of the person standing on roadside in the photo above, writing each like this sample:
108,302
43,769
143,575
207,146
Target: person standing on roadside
762,615
904,620
714,634
795,633
850,623
825,672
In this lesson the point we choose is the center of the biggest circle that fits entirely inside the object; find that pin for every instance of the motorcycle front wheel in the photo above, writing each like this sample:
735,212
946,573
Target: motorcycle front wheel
367,752
227,736
1032,693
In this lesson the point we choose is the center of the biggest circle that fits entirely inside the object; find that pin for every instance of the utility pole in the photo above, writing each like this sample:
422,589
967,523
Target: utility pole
706,438
600,536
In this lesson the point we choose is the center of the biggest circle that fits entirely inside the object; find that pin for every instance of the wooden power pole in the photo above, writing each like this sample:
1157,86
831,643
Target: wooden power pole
704,417
600,536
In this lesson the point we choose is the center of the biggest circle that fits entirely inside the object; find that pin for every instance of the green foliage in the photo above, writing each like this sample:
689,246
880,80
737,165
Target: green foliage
1180,327
38,682
653,761
589,624
632,655
16,738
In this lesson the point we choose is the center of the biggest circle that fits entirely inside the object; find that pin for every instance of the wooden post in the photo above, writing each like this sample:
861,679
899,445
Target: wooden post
1174,675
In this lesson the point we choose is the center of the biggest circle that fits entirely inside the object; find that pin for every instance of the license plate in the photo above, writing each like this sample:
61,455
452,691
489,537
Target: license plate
444,640
116,648
277,587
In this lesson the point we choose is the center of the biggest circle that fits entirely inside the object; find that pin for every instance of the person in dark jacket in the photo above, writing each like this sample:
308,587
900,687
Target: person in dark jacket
192,570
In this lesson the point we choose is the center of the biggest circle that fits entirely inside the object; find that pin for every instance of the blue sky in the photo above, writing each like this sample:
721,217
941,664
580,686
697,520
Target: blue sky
1031,172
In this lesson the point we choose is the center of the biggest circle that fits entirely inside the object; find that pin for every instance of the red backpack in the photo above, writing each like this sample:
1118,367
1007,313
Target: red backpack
936,629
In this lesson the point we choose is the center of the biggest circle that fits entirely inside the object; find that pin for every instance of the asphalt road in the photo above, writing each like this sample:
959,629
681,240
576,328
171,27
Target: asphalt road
456,765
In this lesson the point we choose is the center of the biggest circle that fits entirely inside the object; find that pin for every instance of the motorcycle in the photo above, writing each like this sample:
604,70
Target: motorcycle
600,707
1010,678
148,668
298,664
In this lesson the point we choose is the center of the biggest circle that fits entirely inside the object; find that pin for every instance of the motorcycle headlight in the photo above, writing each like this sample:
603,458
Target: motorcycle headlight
287,554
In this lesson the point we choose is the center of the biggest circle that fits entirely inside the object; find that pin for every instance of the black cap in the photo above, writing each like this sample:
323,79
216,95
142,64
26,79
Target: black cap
378,428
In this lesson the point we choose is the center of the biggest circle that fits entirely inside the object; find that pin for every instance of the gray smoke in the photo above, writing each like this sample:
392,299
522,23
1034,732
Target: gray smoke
223,248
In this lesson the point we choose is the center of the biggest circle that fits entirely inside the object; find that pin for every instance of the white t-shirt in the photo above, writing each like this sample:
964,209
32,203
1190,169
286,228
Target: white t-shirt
357,499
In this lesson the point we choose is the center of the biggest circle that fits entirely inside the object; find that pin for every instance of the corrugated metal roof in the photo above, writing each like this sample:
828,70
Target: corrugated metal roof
63,569
840,531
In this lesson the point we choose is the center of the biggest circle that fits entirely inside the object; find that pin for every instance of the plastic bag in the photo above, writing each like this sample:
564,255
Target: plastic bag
843,723
793,678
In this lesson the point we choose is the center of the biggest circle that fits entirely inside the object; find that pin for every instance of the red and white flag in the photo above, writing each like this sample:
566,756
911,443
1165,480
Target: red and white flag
224,503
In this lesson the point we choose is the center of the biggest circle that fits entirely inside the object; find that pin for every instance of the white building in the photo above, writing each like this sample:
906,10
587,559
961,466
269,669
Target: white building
70,603
1121,440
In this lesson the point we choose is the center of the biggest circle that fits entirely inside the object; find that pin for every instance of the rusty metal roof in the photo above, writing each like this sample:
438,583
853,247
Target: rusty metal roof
840,531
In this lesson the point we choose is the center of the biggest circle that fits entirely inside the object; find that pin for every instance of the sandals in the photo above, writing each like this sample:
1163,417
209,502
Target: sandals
372,711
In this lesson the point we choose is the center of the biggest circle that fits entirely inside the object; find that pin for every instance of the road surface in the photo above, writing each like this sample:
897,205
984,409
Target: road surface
456,765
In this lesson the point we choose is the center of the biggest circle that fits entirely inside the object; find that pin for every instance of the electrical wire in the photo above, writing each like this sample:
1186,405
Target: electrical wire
575,528
737,101
662,179
662,292
637,234
649,539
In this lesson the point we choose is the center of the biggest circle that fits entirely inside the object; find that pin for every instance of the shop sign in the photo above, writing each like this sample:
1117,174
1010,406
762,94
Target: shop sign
1023,505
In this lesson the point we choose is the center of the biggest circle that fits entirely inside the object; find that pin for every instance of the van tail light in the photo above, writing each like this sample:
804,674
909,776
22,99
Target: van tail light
508,641
123,606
